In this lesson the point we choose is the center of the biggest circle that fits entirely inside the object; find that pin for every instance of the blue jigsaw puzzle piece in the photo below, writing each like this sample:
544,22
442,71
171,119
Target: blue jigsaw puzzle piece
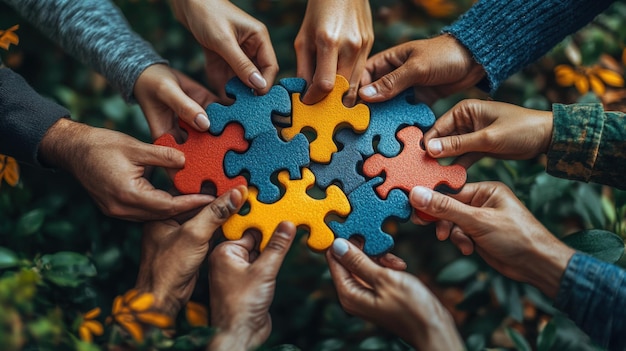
293,85
385,120
368,215
253,112
268,154
343,164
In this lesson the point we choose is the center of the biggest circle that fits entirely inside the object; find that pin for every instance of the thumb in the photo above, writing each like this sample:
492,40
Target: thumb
160,156
186,108
388,86
456,145
217,212
274,253
243,67
441,206
356,261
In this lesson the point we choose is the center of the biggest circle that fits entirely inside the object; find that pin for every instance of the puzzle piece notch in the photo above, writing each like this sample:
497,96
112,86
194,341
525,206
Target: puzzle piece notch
343,164
326,118
369,212
387,117
413,167
267,154
204,155
252,111
296,206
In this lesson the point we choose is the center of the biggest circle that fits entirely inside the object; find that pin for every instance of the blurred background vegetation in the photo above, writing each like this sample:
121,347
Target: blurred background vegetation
60,257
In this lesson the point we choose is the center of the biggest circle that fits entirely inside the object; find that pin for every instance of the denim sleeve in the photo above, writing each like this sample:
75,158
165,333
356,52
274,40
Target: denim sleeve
593,294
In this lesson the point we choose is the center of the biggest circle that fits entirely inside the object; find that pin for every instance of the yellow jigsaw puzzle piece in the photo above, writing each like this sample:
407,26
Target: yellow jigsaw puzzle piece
295,206
325,118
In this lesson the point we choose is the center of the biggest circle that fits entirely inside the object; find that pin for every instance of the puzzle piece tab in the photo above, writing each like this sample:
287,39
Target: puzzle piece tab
368,214
343,164
296,206
204,155
266,155
387,117
325,118
413,167
252,111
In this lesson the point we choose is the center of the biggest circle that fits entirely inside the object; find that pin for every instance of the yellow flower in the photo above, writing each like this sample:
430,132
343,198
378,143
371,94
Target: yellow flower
90,327
8,37
437,8
583,78
9,170
134,308
197,314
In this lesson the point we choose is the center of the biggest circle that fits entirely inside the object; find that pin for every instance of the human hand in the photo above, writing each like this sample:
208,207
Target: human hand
335,38
474,128
489,218
439,66
234,43
392,299
164,93
171,253
110,165
242,284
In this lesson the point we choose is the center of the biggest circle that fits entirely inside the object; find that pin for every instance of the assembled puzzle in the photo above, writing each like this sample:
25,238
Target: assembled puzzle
364,160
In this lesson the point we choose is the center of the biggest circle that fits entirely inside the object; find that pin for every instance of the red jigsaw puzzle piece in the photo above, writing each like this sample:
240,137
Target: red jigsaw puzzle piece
204,158
413,167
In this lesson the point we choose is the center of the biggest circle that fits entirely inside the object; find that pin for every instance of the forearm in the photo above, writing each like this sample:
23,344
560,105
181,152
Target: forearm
57,151
505,36
588,144
25,117
593,294
226,340
95,32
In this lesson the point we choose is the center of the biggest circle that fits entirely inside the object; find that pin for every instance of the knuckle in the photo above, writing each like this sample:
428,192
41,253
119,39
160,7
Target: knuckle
455,143
279,242
220,210
325,39
324,85
441,204
387,82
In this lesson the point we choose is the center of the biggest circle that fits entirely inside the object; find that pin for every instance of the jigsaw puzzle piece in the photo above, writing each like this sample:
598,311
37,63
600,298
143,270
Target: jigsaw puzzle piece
204,156
387,117
368,215
325,118
293,85
253,112
413,167
266,155
296,206
343,164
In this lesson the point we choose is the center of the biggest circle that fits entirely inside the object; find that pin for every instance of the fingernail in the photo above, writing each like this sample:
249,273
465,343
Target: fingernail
421,196
435,147
340,247
257,80
369,91
202,121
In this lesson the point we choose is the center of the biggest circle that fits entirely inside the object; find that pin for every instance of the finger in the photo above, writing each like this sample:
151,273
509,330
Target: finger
456,145
218,211
243,67
247,242
355,78
305,60
274,253
441,206
324,77
185,107
267,62
462,241
157,155
442,230
392,261
356,261
467,160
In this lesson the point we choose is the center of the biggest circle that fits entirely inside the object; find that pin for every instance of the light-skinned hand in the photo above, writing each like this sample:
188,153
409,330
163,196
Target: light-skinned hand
234,43
171,253
488,217
435,67
242,284
111,165
336,37
391,299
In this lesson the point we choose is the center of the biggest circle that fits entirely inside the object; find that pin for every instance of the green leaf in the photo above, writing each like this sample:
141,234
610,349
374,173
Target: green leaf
458,271
518,340
545,189
8,258
546,338
373,343
30,222
475,342
608,207
66,268
601,244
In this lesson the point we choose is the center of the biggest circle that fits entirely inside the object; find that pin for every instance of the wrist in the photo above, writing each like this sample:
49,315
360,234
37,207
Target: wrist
474,72
231,339
547,265
55,151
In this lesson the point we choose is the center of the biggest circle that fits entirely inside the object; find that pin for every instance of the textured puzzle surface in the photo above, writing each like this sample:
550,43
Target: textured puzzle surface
295,205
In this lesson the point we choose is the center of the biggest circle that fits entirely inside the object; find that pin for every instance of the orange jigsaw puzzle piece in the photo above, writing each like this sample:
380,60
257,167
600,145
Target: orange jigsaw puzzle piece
325,118
296,206
204,158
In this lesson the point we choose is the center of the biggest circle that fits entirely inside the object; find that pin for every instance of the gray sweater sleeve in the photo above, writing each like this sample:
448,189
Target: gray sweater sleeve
96,33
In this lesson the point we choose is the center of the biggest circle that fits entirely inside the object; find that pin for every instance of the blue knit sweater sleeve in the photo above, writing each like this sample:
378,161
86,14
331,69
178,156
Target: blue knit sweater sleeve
505,36
96,33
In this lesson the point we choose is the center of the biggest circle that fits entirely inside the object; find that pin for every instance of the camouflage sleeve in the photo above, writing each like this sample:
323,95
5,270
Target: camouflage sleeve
588,144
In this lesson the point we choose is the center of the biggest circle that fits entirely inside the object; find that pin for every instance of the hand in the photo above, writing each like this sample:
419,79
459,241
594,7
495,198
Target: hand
110,165
395,300
436,67
171,253
242,284
234,43
488,217
474,128
336,37
164,93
